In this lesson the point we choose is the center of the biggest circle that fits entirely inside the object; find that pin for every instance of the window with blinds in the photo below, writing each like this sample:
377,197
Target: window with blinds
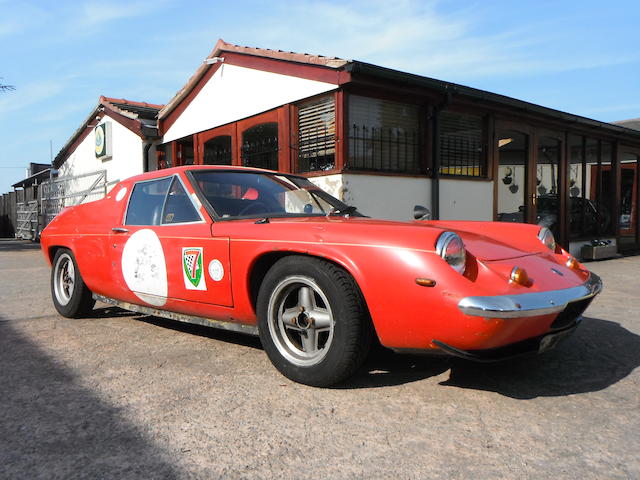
461,145
383,135
317,135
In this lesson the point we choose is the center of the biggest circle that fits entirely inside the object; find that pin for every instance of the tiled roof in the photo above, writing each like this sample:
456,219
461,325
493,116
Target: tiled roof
333,62
633,123
142,110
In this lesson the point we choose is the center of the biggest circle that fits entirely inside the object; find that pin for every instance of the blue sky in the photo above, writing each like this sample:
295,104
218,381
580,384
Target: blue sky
576,56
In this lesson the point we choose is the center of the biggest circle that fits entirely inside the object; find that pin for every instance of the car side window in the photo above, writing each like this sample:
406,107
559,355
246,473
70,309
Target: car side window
178,207
146,201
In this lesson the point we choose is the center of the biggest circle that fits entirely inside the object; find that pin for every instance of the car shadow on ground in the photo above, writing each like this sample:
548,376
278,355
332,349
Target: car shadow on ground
598,355
53,426
384,368
190,328
110,312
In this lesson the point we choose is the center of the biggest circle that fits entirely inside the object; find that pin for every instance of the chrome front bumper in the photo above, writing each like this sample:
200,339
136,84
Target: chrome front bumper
529,304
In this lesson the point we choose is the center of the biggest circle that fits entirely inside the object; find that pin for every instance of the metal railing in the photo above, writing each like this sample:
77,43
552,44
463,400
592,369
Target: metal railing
384,149
68,191
461,155
261,153
316,149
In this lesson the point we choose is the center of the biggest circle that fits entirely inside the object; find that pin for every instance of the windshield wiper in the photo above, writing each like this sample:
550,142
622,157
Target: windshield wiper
344,211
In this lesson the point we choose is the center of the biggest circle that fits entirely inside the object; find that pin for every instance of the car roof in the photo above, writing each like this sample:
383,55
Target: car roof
165,172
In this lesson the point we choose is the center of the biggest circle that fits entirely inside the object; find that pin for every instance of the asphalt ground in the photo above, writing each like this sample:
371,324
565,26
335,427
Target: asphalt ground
121,395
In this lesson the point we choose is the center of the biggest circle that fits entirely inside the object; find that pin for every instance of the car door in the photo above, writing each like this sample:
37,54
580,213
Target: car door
164,252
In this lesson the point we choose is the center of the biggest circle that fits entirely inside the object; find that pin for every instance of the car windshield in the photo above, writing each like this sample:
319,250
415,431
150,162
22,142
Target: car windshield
236,194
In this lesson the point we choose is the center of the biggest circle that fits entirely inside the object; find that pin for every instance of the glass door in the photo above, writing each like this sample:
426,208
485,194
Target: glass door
628,221
512,177
547,187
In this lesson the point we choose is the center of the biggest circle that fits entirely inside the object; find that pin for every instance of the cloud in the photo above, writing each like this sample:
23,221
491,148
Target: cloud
96,13
418,37
18,18
90,17
30,94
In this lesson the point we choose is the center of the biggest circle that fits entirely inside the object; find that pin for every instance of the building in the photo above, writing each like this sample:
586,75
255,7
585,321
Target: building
386,140
117,138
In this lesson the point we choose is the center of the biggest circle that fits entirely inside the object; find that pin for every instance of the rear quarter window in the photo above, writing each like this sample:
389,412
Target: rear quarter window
146,201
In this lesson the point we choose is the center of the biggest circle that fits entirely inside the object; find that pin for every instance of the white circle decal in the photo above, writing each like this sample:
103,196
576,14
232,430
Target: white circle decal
121,193
216,270
144,268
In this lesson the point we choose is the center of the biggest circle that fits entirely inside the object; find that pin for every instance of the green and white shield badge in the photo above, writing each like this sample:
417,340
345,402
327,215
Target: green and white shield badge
192,269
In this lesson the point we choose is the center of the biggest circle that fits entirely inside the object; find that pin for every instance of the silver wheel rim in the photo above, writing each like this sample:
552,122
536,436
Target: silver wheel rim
64,279
300,321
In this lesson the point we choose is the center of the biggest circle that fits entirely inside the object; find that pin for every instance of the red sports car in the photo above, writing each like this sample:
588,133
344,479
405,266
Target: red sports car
271,254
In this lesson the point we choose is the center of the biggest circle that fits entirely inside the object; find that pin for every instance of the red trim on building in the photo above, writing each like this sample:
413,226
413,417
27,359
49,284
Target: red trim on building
309,72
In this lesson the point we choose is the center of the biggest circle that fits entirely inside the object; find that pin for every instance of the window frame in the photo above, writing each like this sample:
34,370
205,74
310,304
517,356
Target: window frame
217,218
164,202
423,161
485,145
338,112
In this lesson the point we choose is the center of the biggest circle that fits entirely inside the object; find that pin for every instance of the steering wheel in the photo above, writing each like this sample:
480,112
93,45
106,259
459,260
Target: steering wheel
256,207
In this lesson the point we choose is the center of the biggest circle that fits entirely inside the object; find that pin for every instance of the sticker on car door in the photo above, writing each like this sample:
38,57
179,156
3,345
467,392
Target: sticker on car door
192,268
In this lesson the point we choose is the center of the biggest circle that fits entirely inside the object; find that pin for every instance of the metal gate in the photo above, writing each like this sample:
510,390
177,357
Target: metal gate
68,191
27,227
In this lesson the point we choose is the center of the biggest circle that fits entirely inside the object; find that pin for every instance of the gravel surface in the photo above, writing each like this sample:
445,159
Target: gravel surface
121,396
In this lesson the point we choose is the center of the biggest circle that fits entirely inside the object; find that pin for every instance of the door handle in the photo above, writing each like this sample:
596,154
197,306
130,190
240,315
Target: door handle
120,230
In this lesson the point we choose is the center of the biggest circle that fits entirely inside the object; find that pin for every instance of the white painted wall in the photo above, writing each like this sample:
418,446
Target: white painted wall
235,92
126,160
389,198
393,198
466,200
332,184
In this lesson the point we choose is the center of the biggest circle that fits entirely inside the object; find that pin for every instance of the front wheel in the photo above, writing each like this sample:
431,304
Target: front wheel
313,322
71,297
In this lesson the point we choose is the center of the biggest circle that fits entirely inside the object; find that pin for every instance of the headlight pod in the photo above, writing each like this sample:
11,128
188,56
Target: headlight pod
546,237
451,248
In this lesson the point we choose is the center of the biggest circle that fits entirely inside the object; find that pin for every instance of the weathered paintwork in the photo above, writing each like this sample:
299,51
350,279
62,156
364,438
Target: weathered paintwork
384,258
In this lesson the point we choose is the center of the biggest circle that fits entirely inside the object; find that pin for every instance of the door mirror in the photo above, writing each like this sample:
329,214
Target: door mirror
421,213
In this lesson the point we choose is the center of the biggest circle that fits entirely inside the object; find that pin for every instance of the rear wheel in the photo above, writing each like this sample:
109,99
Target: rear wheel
71,297
313,323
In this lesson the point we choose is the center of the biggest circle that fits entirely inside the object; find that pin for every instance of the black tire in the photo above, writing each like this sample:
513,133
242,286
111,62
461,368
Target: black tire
71,297
313,322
